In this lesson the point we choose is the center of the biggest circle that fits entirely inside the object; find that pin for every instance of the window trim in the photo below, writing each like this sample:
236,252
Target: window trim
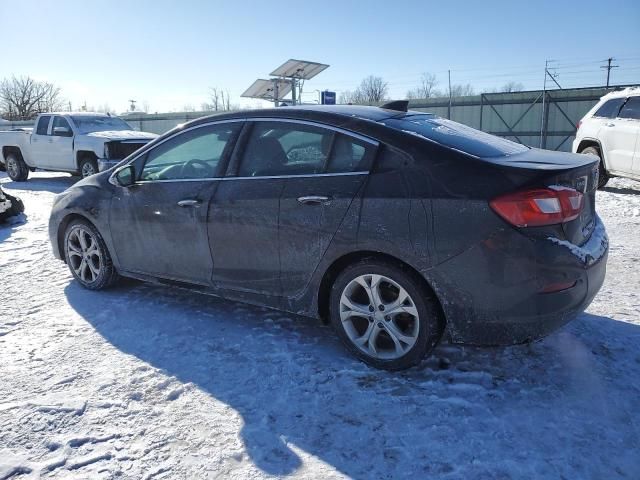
221,167
240,143
48,125
624,104
244,137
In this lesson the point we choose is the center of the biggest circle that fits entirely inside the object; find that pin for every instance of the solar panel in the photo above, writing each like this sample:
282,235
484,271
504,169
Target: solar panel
301,69
265,89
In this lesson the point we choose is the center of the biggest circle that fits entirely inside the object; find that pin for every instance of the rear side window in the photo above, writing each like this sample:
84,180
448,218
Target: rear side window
43,125
631,109
455,135
610,108
287,148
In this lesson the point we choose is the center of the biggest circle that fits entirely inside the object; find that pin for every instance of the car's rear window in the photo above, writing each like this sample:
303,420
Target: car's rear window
455,135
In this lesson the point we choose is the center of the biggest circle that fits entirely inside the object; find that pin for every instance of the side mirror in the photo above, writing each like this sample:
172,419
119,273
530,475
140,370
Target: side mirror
62,132
124,176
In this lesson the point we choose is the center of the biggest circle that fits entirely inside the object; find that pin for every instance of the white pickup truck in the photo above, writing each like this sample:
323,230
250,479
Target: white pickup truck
80,143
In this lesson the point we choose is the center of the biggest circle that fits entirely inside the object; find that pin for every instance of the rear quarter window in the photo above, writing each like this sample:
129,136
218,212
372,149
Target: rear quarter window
610,108
457,136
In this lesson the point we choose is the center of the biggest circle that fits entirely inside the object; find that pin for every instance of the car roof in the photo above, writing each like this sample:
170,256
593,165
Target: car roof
625,92
332,114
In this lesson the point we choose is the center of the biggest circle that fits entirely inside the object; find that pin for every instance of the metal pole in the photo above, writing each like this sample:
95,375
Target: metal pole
449,110
544,95
293,91
276,94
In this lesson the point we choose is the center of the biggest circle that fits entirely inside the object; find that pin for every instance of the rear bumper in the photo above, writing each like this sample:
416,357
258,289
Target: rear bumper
491,294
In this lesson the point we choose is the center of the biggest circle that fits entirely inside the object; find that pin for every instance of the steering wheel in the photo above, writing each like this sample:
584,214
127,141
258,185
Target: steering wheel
189,168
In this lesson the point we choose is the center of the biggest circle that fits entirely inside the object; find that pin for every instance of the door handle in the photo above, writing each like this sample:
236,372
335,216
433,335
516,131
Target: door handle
610,124
189,203
314,200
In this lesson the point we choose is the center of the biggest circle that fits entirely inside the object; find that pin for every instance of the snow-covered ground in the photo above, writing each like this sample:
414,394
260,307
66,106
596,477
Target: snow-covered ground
145,381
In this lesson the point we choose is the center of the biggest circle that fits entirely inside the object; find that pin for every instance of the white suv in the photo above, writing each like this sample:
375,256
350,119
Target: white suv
611,131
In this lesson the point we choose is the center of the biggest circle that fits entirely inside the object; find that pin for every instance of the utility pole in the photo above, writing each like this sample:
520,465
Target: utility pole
449,110
608,66
544,96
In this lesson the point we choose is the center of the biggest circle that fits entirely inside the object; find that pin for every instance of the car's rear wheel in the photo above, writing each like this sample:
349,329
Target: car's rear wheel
384,314
88,166
16,168
87,256
603,176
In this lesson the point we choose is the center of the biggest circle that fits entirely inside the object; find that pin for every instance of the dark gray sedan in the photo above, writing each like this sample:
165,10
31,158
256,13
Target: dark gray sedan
395,226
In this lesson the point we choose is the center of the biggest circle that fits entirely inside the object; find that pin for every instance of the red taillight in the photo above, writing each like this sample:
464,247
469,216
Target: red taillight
534,208
578,125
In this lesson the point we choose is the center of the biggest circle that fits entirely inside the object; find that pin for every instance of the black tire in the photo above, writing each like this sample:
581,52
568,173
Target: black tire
16,168
430,321
88,166
603,176
106,273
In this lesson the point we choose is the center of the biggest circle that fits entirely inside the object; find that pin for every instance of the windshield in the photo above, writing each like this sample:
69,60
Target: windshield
455,135
88,124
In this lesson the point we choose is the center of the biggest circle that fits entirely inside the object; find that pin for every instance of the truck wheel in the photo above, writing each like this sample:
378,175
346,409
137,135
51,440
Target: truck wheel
603,176
16,168
88,167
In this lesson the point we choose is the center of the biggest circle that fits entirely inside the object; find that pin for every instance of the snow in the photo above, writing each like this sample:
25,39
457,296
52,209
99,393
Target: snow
145,381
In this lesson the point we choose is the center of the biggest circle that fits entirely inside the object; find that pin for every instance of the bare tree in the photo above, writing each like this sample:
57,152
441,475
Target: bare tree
371,90
146,106
22,98
220,100
459,90
512,87
426,88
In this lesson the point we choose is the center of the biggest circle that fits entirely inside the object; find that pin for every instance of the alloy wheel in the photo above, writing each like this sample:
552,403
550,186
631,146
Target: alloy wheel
88,169
83,254
379,316
12,167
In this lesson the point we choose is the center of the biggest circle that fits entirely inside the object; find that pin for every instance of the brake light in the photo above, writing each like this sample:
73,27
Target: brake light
537,207
578,125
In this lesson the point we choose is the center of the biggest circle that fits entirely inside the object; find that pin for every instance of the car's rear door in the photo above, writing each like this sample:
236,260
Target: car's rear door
159,224
325,168
41,143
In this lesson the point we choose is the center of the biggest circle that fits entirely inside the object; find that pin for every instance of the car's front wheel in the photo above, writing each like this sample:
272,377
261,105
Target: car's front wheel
603,176
88,166
87,256
384,314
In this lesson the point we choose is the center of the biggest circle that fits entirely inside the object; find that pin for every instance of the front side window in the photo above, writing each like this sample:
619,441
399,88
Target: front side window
194,154
60,122
288,148
610,108
631,109
43,125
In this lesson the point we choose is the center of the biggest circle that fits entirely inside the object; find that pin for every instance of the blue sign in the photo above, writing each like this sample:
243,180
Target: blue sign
328,98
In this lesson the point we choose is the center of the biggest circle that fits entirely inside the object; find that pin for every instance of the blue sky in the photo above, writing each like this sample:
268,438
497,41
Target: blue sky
168,54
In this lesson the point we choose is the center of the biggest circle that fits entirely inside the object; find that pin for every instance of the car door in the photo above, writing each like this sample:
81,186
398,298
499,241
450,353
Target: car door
159,224
61,142
243,222
619,136
315,201
630,115
41,143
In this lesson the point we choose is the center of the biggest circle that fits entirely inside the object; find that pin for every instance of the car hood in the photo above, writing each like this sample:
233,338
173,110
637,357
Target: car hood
122,135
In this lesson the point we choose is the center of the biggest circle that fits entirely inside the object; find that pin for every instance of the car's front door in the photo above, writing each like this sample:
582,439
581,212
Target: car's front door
619,136
159,224
61,144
